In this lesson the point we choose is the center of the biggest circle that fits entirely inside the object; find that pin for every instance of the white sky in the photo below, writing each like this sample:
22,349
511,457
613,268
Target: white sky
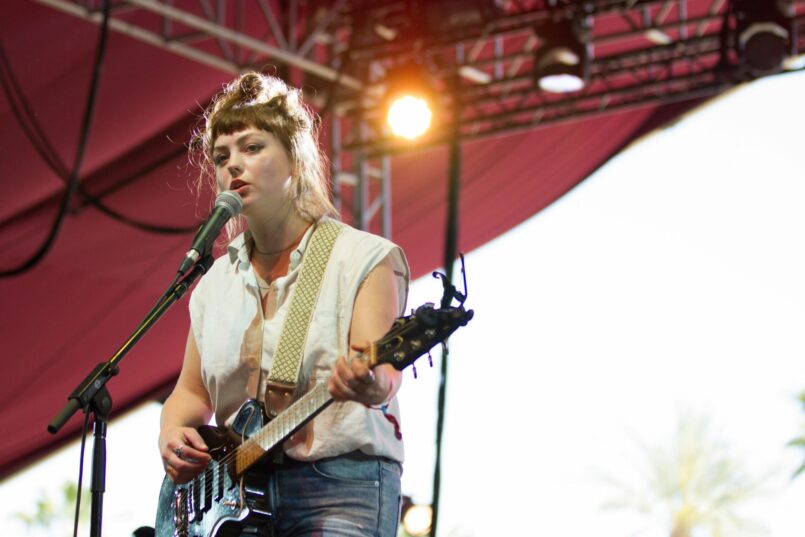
671,280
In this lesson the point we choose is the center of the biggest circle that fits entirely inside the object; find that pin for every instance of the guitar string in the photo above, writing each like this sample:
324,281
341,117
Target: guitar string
395,333
209,471
279,428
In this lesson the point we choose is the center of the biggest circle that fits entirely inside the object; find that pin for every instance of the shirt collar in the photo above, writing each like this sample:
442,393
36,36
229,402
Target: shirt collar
238,249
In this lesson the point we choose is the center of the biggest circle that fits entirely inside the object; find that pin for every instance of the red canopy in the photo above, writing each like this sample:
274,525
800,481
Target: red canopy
76,307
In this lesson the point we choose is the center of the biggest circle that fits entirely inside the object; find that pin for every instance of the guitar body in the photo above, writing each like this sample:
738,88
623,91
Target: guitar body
217,503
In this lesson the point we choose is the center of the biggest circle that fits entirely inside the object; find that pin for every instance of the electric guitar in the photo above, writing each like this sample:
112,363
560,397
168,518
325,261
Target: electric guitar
229,494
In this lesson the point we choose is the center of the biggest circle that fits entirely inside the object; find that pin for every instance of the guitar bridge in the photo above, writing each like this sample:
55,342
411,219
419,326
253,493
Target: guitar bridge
180,520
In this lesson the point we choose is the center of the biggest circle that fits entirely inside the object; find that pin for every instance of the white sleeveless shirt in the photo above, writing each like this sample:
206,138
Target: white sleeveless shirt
233,337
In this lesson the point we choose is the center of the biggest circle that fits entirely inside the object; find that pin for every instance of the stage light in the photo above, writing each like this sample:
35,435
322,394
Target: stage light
561,63
408,101
560,71
409,116
763,29
794,63
417,520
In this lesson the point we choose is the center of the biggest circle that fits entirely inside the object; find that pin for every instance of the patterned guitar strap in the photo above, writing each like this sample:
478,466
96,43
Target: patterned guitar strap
284,374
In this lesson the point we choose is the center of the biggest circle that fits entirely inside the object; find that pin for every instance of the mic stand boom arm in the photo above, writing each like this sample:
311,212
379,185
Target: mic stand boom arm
91,394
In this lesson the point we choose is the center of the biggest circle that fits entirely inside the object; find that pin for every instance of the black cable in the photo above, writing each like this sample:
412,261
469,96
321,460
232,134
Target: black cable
72,184
725,69
31,127
84,430
139,224
38,139
342,67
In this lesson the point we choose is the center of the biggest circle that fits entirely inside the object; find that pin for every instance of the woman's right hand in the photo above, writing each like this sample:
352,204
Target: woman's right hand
184,453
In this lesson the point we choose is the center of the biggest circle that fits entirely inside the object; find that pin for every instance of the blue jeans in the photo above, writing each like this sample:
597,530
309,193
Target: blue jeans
353,495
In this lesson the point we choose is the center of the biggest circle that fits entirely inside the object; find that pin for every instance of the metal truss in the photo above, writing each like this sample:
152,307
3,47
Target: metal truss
302,41
233,36
643,52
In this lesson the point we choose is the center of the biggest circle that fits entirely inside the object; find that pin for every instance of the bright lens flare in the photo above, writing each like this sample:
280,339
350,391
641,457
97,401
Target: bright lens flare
409,117
418,520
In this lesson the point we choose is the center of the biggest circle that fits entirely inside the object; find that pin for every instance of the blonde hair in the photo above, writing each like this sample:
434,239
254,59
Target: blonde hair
265,102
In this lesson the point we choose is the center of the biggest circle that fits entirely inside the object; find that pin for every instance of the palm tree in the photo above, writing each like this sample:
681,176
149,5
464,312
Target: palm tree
51,516
691,483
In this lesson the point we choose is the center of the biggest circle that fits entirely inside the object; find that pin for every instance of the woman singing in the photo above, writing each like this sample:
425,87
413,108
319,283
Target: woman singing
339,475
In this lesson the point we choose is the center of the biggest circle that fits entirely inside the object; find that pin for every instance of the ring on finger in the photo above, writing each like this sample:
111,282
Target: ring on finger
179,451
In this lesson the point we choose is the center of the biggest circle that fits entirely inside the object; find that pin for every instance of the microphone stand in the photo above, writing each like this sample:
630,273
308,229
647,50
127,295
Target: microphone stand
450,253
91,394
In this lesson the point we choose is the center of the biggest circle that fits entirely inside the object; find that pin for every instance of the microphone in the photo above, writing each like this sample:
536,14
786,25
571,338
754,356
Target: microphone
227,205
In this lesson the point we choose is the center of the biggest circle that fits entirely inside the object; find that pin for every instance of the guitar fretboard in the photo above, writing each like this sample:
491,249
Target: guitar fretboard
281,427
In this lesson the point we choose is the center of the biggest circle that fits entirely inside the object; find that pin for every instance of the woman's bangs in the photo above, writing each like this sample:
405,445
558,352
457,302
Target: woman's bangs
231,120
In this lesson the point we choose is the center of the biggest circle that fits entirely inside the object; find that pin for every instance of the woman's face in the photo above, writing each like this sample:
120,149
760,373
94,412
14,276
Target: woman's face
253,163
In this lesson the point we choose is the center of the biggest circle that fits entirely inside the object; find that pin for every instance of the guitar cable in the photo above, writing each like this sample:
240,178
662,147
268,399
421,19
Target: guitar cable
84,429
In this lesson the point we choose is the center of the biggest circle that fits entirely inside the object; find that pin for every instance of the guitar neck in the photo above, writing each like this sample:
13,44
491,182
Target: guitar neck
284,425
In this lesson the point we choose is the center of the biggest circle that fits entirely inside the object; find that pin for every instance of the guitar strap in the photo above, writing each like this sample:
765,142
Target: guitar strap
284,374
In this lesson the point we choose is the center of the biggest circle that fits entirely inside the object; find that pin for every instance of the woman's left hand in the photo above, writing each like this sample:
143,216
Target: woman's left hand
352,380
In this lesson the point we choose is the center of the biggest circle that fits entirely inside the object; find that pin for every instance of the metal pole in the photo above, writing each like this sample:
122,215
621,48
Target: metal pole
450,254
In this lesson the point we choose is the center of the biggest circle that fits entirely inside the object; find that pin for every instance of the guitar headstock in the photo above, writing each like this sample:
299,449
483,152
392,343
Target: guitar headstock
413,335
